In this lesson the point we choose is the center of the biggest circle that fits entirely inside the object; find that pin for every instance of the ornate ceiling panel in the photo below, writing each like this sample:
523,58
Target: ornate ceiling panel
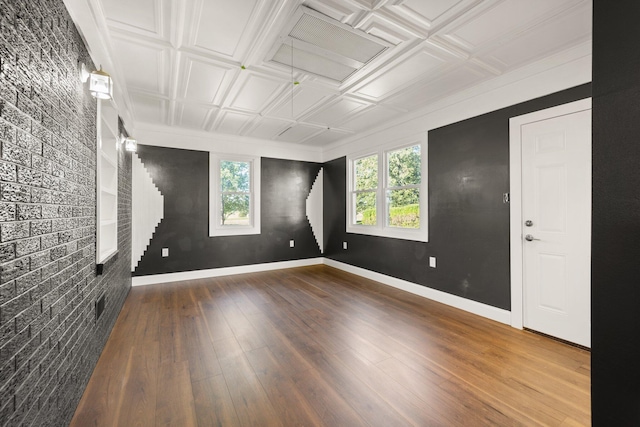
205,65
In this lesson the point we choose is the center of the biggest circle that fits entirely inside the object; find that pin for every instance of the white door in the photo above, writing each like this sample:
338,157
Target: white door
556,226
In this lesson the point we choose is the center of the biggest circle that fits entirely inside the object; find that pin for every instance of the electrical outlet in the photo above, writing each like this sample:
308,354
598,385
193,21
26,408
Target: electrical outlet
291,243
165,252
432,262
344,245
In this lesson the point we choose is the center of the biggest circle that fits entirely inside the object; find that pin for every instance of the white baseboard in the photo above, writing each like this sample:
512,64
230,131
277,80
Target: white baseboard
478,308
154,279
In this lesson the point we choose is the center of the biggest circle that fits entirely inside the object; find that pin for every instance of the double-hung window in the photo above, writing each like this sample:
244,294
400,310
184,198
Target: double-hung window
234,195
388,193
365,192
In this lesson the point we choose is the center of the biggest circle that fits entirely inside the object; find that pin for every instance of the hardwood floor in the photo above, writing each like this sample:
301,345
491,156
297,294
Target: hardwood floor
315,346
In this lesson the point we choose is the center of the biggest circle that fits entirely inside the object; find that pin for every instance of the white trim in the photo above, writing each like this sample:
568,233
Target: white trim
154,279
91,23
255,172
561,71
474,307
515,203
189,139
477,308
380,229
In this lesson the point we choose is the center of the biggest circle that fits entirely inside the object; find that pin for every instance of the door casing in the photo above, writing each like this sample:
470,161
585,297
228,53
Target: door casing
515,199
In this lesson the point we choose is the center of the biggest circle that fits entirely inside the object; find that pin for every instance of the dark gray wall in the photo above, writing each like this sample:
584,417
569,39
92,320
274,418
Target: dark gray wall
49,338
615,371
182,176
468,222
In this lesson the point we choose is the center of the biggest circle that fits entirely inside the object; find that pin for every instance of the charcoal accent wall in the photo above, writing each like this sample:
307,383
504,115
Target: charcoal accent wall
182,176
49,338
468,221
615,371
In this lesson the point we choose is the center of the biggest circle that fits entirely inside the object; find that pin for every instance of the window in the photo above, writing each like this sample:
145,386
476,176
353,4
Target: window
107,181
404,175
366,189
234,195
387,193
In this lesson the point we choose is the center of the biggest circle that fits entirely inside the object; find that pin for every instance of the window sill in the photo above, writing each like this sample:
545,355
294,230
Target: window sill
391,233
106,259
240,231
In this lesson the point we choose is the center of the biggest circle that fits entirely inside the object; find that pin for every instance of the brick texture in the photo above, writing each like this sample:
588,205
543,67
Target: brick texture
50,339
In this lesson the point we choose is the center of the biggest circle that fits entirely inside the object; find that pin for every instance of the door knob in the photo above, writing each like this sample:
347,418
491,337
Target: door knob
528,223
529,238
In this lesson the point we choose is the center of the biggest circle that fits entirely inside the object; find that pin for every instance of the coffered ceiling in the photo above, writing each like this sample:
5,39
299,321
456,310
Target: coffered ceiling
206,64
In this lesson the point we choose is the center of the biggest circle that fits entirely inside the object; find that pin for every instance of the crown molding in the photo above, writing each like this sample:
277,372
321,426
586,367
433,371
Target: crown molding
563,70
189,139
91,23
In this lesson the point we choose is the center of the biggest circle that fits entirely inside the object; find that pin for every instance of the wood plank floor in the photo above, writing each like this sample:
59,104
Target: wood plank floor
315,346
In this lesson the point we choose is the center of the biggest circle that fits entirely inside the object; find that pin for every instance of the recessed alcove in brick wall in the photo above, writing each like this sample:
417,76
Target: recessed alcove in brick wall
49,337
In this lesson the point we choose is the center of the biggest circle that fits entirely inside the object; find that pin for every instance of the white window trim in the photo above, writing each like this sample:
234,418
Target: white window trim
380,229
215,228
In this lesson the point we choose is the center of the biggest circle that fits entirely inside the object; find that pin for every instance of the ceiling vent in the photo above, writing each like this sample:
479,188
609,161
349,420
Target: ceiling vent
320,45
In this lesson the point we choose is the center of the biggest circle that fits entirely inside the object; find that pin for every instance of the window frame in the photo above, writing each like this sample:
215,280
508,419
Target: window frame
107,165
215,196
355,192
381,229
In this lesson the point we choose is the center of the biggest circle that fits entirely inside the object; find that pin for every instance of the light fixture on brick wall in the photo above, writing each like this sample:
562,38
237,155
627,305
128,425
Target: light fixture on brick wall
130,144
100,82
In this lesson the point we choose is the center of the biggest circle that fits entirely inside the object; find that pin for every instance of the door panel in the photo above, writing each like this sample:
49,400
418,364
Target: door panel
552,183
556,199
552,293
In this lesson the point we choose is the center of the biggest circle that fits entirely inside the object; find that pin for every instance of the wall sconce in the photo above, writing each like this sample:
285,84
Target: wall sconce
100,82
130,144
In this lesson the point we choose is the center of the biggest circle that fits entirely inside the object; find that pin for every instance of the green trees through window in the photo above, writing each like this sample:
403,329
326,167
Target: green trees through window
366,188
235,188
400,189
403,187
234,195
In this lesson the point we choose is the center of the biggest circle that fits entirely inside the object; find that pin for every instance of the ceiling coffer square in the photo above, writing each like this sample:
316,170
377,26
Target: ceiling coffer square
320,45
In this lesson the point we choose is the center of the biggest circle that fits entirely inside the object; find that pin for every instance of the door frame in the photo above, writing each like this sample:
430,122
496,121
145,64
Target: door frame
515,198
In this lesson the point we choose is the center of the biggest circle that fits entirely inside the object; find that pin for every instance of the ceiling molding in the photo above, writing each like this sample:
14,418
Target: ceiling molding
196,65
563,70
167,136
90,21
160,19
